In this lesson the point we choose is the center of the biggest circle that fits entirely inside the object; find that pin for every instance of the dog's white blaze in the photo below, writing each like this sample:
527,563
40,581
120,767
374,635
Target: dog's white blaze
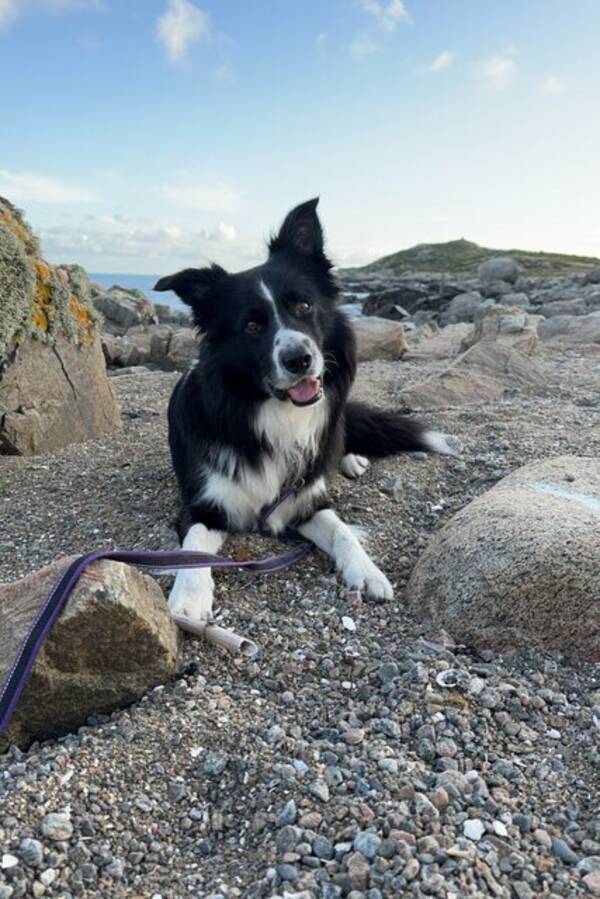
192,593
289,339
337,539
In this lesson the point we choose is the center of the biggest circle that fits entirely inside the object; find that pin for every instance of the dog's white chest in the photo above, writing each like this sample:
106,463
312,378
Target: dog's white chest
293,435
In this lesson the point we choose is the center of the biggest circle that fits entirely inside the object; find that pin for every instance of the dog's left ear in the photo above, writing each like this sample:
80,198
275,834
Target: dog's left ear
301,231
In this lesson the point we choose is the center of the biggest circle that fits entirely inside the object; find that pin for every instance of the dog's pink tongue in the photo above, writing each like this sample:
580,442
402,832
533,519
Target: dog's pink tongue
305,390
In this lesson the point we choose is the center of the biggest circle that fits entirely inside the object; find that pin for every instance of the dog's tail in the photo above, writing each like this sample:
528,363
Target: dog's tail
380,432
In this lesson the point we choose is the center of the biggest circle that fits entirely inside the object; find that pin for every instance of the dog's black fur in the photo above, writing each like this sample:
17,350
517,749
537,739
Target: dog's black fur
216,403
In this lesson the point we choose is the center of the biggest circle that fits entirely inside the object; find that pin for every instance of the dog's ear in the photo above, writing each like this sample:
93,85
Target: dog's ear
193,286
301,231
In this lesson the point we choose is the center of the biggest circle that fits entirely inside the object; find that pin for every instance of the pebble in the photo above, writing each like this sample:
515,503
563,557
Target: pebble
288,814
32,853
367,843
348,623
564,852
474,829
320,789
57,826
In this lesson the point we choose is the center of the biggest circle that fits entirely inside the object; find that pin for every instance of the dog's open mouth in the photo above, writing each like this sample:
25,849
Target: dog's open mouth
303,393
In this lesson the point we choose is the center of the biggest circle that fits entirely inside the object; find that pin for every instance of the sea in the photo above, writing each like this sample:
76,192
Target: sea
141,282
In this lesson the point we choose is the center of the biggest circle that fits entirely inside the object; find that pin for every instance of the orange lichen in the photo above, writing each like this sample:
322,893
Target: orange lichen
39,320
43,282
83,317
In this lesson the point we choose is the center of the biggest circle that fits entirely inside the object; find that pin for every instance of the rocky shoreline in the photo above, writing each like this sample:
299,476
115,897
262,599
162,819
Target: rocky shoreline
443,744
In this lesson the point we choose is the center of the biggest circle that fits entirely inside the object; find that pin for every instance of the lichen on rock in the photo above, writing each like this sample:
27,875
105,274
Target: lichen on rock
37,299
53,384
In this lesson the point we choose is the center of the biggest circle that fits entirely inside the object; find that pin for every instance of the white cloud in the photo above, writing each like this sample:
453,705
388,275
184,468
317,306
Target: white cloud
26,187
441,62
363,45
387,14
553,85
180,25
124,243
499,71
206,198
8,11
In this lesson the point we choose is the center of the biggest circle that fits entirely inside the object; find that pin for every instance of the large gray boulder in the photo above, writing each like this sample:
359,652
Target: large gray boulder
500,268
520,565
378,338
166,347
509,326
566,330
461,309
114,641
563,307
123,308
488,370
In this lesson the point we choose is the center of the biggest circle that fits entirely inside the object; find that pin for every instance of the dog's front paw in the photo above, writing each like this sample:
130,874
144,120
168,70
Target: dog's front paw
192,596
353,466
366,577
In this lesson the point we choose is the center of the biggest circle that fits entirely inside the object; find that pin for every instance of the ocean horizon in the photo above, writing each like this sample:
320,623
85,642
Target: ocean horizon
144,283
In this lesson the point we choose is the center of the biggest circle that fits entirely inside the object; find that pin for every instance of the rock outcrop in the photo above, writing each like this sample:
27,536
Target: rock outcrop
53,384
113,641
520,565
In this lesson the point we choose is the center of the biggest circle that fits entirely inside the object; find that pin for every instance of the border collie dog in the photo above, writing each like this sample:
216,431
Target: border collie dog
264,408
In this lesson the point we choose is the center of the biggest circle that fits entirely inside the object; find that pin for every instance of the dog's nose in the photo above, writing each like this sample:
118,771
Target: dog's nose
297,361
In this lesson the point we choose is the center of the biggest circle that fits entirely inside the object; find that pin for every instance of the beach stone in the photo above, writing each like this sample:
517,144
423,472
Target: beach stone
509,326
114,640
520,565
123,308
461,309
579,330
378,338
499,268
488,370
57,826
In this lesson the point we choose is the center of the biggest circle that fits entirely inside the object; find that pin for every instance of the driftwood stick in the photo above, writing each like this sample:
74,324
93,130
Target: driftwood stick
220,636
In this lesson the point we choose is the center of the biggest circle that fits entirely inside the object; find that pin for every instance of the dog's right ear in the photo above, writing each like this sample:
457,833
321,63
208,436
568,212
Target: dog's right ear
193,286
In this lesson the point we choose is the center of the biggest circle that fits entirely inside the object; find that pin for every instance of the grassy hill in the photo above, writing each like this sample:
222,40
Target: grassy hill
463,257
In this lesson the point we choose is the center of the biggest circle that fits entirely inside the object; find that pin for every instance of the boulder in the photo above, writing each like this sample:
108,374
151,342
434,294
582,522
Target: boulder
520,565
511,327
123,308
167,315
564,307
495,289
488,370
114,640
593,276
379,338
161,346
438,343
53,384
461,309
499,268
568,330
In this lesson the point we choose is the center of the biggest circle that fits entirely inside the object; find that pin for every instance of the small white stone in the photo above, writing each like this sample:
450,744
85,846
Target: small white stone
500,829
8,861
473,829
348,623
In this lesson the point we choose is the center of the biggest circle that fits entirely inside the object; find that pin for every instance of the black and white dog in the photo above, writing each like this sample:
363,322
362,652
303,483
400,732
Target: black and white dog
265,407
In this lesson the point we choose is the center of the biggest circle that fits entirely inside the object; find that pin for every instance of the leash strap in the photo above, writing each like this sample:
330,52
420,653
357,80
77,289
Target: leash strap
159,561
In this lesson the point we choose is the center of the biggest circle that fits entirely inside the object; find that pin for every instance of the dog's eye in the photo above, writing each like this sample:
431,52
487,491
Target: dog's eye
253,325
302,308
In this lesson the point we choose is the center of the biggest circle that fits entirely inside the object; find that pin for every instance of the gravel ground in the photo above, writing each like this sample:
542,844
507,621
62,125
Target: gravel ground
335,764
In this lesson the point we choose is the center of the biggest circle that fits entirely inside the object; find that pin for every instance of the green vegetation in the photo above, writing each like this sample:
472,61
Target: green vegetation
462,257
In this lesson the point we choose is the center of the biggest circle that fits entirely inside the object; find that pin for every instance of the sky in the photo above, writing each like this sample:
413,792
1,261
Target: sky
144,136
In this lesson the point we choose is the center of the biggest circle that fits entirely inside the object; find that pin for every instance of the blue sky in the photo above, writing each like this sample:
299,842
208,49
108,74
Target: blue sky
145,135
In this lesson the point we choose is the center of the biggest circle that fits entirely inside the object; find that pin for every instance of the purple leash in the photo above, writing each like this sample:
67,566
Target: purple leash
155,560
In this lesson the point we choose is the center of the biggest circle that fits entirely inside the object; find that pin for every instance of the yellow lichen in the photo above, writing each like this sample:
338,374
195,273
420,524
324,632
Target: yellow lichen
39,320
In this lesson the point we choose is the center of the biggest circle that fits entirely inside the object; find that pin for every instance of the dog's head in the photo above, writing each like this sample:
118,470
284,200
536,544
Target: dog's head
265,327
